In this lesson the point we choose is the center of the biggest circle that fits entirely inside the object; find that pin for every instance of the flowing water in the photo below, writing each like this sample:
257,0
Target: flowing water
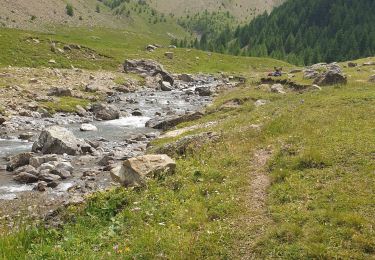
149,103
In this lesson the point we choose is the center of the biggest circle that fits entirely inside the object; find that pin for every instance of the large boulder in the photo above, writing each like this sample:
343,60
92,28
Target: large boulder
330,77
171,122
135,171
148,68
58,140
25,177
105,112
18,160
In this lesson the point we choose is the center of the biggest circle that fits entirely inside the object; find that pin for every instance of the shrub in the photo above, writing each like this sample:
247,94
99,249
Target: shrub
69,10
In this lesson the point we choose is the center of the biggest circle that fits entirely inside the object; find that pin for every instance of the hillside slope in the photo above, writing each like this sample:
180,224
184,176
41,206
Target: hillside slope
307,32
242,9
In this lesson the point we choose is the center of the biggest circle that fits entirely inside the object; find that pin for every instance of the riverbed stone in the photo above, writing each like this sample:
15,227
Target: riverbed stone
18,160
37,161
88,128
48,177
25,177
135,171
58,140
105,112
168,123
203,91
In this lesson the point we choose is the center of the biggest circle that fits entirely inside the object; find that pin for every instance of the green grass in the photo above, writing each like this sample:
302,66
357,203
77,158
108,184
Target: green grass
111,47
319,204
65,104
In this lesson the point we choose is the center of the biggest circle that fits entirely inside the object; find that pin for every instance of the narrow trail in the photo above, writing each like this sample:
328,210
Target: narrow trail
255,219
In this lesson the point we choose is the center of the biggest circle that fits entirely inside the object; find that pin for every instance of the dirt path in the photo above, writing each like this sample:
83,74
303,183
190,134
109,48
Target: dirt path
255,219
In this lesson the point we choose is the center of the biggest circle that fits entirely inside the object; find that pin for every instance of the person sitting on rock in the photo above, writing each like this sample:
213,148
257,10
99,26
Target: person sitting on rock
277,72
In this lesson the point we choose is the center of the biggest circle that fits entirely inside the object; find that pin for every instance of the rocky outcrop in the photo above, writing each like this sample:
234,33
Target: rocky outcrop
105,112
148,68
188,143
171,122
325,74
135,171
58,140
330,77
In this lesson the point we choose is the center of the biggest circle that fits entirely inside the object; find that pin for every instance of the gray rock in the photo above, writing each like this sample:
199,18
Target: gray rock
25,177
186,77
148,67
352,64
41,186
105,112
260,102
135,171
165,86
278,88
203,91
330,77
48,177
60,92
18,160
26,136
169,55
58,140
37,161
2,120
27,168
171,122
188,144
88,128
369,63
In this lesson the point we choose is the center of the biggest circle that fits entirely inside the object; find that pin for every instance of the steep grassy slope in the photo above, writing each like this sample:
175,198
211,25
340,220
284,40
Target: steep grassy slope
110,48
242,9
319,203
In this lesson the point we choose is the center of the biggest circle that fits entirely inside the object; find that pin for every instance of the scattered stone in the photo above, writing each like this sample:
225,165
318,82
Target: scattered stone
2,120
41,186
186,77
18,160
135,171
52,61
37,161
188,144
88,128
278,88
91,88
58,140
33,81
260,102
372,79
105,112
48,177
81,111
26,136
148,67
137,113
60,92
173,121
203,91
352,64
165,86
25,177
151,48
169,55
